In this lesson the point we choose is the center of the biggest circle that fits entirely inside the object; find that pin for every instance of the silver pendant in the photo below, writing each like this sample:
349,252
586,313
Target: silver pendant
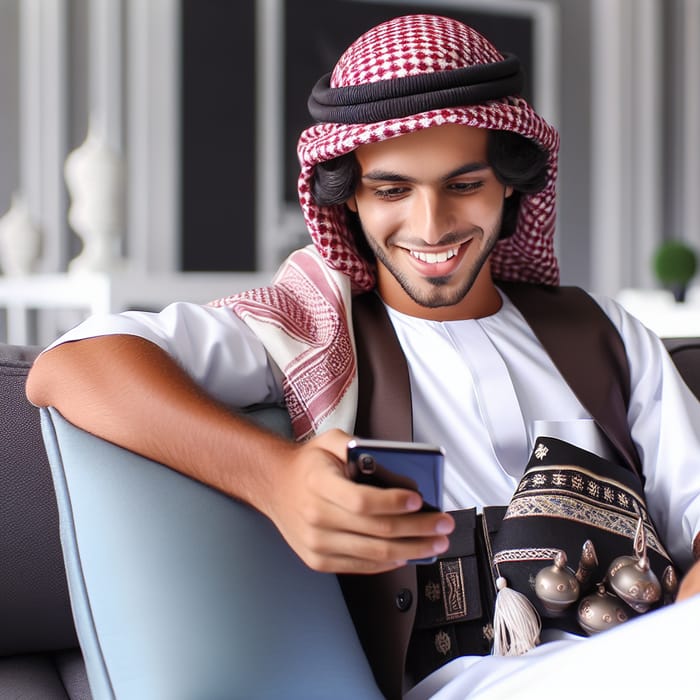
556,586
600,611
631,578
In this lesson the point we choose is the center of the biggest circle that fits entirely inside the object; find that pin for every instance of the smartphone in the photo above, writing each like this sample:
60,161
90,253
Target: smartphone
392,464
408,465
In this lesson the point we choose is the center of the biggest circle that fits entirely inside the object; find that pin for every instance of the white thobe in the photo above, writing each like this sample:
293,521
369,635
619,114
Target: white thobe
483,389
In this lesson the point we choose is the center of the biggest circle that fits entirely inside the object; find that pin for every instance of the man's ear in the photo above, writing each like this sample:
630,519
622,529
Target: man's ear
509,191
351,204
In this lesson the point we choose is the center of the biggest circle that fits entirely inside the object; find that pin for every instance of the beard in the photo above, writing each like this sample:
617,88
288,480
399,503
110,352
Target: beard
441,290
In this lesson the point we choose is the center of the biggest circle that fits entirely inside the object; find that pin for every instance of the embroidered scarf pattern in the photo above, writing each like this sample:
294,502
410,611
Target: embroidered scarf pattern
304,321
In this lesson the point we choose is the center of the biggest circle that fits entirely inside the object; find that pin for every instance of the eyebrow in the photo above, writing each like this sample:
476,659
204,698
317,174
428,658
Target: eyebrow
388,176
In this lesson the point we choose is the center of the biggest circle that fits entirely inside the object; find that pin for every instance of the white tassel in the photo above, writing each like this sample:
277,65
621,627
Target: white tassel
516,623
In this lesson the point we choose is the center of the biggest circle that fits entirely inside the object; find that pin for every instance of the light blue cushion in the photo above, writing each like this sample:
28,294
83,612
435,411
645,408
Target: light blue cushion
180,593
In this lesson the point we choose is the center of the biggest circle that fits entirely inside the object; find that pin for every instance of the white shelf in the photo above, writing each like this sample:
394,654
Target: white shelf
89,294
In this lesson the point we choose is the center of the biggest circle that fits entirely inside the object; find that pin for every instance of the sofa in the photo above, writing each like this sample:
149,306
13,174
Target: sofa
39,653
176,591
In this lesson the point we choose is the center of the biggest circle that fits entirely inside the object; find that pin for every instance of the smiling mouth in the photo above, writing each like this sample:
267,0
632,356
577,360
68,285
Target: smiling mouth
432,258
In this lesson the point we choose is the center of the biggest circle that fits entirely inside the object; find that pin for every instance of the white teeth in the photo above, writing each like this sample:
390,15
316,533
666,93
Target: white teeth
435,257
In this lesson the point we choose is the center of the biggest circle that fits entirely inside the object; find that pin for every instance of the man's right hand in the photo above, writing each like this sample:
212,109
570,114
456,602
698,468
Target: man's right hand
337,525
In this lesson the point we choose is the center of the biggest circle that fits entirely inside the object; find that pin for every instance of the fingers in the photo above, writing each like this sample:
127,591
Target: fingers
335,487
349,552
374,553
384,518
371,530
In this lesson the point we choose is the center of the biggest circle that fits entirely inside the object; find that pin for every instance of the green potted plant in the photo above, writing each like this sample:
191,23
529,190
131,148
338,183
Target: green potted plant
675,264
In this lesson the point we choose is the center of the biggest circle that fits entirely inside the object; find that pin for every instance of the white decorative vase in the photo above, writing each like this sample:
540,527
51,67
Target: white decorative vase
95,179
20,241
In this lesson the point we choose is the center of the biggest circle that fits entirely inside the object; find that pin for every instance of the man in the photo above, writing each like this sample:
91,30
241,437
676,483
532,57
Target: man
426,178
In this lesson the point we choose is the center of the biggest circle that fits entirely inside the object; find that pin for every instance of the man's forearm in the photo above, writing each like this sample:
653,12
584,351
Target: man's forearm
130,392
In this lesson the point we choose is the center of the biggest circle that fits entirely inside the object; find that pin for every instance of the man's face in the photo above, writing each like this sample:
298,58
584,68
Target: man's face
430,207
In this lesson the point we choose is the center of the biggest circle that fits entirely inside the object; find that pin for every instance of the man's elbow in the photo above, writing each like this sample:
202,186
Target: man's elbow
55,372
39,385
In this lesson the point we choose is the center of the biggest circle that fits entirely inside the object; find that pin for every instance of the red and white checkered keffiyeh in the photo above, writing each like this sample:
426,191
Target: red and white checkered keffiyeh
410,46
304,317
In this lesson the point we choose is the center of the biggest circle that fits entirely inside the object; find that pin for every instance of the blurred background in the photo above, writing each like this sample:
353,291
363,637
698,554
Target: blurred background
147,147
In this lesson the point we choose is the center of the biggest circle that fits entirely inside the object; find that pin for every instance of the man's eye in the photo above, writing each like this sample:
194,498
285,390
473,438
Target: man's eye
466,186
390,192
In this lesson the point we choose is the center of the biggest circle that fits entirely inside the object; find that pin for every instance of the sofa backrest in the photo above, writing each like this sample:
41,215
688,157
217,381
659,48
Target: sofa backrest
34,605
685,352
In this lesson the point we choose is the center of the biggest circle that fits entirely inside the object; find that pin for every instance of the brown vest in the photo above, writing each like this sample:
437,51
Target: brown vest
589,353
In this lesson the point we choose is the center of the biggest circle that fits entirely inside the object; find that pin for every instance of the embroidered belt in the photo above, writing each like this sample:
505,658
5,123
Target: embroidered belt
569,505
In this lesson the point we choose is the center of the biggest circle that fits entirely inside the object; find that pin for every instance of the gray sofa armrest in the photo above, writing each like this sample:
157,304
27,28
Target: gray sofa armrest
179,592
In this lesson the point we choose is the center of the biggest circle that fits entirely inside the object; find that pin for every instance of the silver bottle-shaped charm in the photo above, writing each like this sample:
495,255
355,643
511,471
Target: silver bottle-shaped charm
556,586
631,578
587,563
669,583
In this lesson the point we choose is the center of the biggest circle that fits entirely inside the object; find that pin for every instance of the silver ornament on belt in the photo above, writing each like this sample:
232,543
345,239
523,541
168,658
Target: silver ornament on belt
587,563
556,586
600,611
669,583
631,578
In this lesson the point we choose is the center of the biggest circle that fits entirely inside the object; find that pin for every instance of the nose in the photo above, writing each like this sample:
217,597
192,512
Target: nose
431,218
